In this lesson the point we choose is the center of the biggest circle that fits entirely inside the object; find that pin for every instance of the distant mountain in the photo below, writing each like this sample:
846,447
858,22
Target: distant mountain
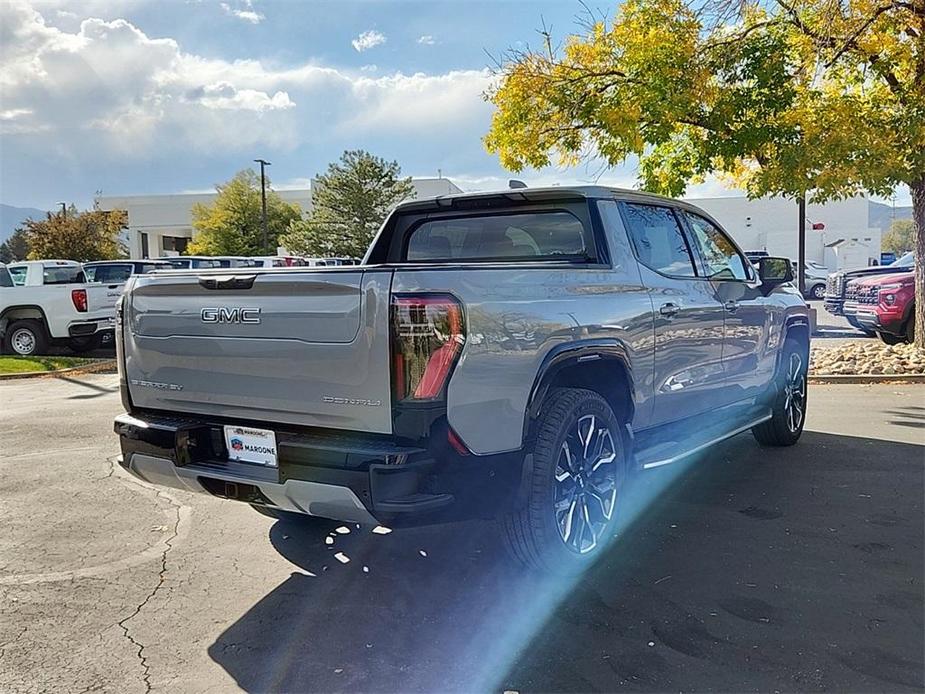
881,216
11,217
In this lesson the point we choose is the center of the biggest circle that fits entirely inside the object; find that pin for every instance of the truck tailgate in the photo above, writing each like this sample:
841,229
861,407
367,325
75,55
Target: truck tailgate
102,298
307,347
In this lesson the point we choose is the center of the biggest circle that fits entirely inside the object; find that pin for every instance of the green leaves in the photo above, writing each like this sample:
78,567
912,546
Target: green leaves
812,98
232,224
84,236
349,203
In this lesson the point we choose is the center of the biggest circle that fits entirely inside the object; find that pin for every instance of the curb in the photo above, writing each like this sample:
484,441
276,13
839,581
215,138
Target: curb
866,378
93,367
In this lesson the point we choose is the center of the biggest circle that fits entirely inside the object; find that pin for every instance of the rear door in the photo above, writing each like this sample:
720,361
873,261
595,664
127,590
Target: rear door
301,347
748,354
688,370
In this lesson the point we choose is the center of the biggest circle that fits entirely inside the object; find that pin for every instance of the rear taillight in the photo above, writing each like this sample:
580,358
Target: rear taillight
428,334
79,297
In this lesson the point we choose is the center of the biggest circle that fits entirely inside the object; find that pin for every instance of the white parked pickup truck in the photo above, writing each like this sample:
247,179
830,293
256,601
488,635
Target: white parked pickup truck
50,301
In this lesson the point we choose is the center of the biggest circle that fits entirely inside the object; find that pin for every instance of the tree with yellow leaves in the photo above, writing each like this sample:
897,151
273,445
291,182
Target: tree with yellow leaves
815,98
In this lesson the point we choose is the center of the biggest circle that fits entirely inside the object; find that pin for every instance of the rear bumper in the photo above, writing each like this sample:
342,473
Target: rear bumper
300,496
349,478
91,327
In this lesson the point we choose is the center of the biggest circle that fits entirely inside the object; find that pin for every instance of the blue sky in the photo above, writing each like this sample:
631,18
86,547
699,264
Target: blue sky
162,96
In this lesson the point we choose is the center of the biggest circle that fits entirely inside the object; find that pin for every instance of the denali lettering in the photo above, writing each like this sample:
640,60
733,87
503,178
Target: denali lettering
350,401
156,384
227,314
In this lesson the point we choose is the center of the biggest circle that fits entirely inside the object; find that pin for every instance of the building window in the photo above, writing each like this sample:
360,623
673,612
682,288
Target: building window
144,244
175,243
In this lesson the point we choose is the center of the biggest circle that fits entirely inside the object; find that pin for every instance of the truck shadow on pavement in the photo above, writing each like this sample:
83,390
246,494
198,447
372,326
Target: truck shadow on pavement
760,569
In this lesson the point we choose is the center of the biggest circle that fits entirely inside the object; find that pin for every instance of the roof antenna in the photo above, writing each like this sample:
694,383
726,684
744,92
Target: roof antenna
514,184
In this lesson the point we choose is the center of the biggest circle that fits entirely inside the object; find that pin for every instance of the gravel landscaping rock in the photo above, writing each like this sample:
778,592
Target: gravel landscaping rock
867,357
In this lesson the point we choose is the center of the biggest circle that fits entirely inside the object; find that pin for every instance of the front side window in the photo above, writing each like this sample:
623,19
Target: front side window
720,256
5,279
659,240
523,236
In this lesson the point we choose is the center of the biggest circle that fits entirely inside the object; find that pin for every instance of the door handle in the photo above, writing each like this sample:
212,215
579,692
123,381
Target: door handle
669,309
731,306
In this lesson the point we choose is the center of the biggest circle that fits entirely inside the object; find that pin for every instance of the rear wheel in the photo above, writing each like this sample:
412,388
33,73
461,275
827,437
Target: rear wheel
817,291
26,338
789,403
575,485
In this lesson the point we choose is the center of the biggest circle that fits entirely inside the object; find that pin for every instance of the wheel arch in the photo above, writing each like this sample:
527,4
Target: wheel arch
22,312
602,366
796,327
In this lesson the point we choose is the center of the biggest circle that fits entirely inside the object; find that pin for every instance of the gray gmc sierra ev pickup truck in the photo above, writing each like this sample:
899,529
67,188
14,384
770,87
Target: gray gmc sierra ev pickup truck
513,355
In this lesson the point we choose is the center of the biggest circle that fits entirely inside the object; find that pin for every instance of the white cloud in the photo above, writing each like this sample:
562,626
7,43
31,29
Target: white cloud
248,14
426,40
109,89
368,39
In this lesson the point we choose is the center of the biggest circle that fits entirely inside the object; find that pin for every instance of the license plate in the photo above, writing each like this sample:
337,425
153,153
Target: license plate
251,445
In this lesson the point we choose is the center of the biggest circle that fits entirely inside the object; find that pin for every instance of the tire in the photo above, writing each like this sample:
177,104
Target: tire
79,345
817,291
789,399
909,332
891,339
574,486
25,338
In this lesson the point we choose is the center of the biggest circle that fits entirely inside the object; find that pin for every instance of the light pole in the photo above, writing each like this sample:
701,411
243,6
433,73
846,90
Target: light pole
263,201
63,209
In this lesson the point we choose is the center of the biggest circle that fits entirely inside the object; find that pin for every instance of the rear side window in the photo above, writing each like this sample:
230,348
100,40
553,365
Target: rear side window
553,235
108,274
5,279
18,275
658,239
64,274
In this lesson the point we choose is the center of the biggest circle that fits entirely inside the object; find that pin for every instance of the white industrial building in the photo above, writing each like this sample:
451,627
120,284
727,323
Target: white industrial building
161,225
847,235
847,232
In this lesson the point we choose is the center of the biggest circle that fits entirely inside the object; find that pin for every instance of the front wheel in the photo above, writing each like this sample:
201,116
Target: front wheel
575,484
818,291
889,339
789,401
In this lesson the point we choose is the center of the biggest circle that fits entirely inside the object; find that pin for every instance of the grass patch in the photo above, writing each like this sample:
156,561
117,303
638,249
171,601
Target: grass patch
21,365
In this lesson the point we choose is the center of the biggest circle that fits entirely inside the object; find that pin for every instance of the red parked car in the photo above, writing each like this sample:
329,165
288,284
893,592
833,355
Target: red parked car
884,304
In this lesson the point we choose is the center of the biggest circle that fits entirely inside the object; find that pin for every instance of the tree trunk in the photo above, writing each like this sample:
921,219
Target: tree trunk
918,215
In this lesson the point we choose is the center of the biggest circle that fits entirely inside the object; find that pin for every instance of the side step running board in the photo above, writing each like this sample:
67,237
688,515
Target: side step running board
659,461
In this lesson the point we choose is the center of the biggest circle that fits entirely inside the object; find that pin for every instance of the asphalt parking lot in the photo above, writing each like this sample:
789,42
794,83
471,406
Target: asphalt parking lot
752,569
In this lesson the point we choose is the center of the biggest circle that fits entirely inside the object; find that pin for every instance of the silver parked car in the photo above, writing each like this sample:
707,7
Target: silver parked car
521,354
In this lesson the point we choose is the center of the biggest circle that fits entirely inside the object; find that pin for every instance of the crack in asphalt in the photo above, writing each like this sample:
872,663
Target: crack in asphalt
112,470
123,623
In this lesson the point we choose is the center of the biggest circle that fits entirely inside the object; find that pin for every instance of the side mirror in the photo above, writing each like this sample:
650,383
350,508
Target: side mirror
774,271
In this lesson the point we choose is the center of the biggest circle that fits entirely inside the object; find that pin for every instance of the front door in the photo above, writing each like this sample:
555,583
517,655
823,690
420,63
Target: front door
688,333
748,342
